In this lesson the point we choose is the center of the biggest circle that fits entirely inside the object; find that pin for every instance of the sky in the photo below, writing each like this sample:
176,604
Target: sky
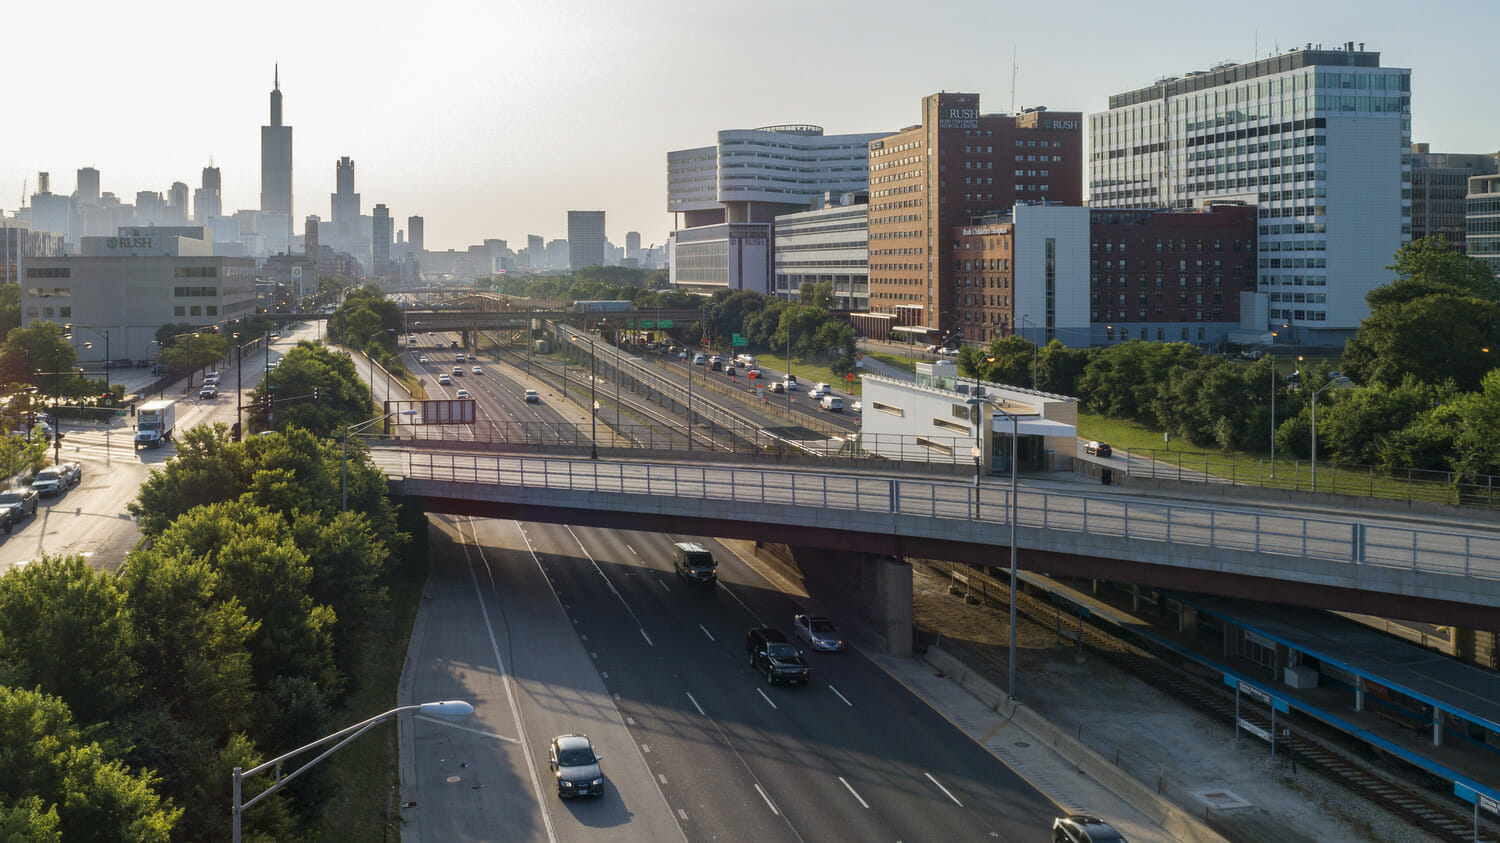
493,120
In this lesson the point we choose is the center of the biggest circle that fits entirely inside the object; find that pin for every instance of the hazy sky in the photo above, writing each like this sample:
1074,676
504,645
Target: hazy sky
494,119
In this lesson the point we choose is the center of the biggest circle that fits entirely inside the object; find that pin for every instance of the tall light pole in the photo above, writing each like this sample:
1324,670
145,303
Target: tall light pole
1034,344
107,359
1273,415
446,708
594,401
1315,395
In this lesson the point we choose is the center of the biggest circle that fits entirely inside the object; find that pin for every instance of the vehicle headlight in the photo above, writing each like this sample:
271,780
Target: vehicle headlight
566,783
598,781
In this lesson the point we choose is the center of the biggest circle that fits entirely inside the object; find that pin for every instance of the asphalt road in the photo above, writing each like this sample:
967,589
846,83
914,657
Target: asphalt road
593,633
90,519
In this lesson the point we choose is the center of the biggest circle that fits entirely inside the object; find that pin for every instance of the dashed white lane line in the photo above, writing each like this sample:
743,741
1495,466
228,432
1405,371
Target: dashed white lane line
841,696
945,790
766,698
769,803
854,793
696,705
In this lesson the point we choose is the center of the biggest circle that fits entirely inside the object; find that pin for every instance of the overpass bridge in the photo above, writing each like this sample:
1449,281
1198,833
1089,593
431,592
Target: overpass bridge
1280,555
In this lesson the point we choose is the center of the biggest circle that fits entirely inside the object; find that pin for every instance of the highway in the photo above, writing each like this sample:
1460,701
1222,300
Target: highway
589,630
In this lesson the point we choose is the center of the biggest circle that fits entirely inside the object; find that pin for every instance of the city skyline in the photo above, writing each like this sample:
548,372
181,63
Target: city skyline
578,105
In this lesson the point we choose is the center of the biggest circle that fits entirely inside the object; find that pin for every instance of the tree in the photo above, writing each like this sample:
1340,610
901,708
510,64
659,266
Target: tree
1059,367
1007,360
1427,266
10,308
1357,428
194,351
1435,338
1476,442
1121,380
313,369
63,625
207,469
818,294
39,347
47,758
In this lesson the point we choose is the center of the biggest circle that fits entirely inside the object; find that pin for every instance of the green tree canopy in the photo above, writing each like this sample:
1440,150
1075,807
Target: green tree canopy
313,369
39,347
1435,338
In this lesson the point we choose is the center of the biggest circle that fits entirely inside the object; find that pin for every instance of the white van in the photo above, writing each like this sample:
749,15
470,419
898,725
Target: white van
746,360
833,403
694,561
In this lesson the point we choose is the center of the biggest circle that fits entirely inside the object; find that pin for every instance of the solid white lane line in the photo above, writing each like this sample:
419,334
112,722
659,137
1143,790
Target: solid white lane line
841,696
855,793
505,677
632,550
769,803
613,590
696,705
943,789
764,697
706,632
441,722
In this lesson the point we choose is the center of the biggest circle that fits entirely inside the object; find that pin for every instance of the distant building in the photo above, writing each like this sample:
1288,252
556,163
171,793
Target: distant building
536,251
729,194
1318,140
50,211
1439,185
18,240
415,234
830,244
276,166
208,200
177,204
957,165
88,186
344,200
130,284
380,242
557,254
1482,220
585,239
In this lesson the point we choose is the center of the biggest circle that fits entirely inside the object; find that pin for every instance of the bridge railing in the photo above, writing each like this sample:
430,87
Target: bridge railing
1379,544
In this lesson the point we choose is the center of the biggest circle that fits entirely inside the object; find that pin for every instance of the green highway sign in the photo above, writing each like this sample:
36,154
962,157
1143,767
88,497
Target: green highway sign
739,342
663,323
648,323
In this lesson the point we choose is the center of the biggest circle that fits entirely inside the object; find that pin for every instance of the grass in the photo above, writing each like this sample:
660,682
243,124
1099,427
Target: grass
366,773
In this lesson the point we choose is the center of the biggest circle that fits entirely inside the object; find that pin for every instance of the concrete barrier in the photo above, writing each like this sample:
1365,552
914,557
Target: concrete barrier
1175,820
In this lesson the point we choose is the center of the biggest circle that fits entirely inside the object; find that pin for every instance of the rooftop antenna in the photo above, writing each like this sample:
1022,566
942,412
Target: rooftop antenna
1014,69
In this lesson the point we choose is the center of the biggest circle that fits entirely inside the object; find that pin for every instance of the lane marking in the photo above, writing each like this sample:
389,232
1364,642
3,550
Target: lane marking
507,679
647,637
631,549
613,590
943,789
706,632
695,704
480,732
855,793
841,696
730,592
764,697
664,585
769,803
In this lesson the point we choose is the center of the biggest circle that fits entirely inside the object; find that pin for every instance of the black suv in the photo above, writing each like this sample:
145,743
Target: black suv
1082,828
779,659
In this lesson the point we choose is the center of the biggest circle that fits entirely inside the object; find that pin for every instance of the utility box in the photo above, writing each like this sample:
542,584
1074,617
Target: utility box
1301,676
541,347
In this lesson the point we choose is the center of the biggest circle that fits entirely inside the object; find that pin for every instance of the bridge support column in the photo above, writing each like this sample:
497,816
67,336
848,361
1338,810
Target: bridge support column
872,591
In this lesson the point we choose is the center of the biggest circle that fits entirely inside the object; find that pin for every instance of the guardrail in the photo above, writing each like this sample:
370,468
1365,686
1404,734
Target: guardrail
1471,555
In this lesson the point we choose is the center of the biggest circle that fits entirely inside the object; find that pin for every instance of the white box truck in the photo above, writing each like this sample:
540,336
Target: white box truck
154,421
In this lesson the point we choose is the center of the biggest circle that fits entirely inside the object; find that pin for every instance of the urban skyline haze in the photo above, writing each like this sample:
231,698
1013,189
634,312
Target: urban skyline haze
494,122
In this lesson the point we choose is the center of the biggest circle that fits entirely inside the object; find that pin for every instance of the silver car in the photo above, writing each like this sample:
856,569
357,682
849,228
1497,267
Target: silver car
819,632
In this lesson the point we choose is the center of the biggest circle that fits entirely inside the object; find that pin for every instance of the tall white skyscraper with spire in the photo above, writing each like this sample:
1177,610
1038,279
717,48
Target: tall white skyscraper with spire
276,161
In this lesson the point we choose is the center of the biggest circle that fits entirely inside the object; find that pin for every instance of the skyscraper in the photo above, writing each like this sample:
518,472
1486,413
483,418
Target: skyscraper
177,204
381,241
1316,139
345,204
208,202
536,250
1439,184
585,239
88,185
414,234
276,162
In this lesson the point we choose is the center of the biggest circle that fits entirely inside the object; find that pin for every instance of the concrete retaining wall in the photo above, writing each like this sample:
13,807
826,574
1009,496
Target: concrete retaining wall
1178,822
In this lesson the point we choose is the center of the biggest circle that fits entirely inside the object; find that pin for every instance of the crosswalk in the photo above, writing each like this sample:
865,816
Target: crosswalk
101,443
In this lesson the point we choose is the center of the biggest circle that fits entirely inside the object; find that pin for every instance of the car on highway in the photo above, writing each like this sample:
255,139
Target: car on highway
819,632
779,659
464,393
700,359
1098,449
444,379
20,501
458,371
715,365
460,358
1082,828
682,355
948,352
212,378
532,397
422,358
478,370
778,387
575,765
730,370
820,390
753,373
857,406
208,391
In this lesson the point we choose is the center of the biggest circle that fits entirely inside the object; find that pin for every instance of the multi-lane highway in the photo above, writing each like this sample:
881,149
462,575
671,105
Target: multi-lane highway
552,629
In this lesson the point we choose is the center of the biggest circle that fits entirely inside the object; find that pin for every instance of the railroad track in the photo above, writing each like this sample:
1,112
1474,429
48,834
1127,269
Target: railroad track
1336,763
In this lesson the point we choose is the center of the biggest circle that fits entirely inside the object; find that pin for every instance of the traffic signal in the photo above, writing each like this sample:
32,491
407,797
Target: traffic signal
317,393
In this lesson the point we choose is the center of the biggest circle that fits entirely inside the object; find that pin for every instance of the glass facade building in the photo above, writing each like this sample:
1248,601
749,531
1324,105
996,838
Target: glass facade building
1318,140
1482,220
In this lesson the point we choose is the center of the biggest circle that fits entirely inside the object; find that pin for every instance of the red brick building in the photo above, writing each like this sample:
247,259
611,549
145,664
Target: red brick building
957,165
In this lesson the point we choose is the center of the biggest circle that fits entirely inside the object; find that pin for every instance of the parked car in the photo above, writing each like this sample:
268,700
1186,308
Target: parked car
20,501
1082,828
444,379
532,397
1098,449
819,632
50,481
575,765
779,659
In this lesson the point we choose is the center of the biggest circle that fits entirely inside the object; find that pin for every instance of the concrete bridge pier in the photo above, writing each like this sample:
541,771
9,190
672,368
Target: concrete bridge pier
868,590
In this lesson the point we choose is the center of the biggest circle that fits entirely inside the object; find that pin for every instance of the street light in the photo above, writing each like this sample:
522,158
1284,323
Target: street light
1315,395
350,428
99,331
1025,319
446,708
594,400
